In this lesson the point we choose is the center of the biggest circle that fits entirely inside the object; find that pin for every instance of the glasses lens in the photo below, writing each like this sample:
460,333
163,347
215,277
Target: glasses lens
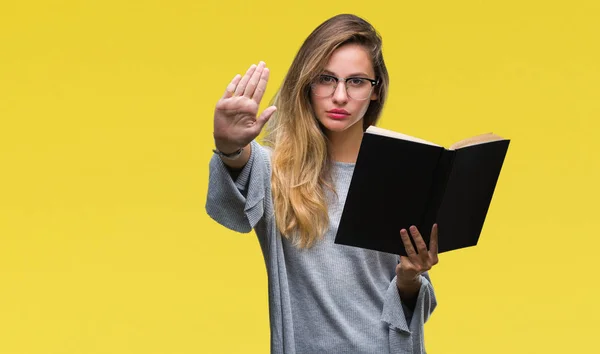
359,89
324,86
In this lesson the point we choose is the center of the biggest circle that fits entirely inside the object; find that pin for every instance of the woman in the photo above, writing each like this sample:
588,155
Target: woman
323,297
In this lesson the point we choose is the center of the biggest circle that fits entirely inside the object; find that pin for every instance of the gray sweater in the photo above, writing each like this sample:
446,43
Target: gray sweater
329,298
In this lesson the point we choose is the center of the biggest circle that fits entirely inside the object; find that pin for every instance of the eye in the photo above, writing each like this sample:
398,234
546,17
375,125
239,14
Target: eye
356,81
326,79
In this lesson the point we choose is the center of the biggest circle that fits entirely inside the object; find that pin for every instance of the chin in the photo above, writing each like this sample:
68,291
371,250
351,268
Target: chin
335,127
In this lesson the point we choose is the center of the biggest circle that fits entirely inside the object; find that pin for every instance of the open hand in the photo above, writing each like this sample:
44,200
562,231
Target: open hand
236,123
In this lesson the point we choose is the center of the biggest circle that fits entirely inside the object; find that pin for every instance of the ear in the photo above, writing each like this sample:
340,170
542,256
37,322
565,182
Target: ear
374,93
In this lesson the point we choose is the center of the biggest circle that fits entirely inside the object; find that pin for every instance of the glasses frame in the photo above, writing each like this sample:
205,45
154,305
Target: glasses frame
345,81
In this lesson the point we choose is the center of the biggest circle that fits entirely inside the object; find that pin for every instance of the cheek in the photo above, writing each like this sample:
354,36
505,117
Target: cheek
317,105
363,106
314,102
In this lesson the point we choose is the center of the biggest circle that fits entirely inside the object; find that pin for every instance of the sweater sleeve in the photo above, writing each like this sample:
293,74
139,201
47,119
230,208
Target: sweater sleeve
239,205
406,326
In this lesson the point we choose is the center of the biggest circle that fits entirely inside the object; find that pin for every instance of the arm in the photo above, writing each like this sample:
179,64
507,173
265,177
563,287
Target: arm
235,167
409,317
238,163
239,202
406,326
410,299
409,291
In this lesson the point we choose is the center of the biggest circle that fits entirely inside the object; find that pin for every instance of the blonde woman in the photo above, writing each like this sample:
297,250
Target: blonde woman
323,297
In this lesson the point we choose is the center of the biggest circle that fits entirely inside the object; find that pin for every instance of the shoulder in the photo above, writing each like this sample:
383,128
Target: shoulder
268,150
262,150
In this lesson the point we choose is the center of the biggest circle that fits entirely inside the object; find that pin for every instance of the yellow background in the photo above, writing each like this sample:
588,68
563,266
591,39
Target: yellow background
106,133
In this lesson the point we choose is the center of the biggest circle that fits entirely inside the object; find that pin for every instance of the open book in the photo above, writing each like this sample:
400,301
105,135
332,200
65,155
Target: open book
400,180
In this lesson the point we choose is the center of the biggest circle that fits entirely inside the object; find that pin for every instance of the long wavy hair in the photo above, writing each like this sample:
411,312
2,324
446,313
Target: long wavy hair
300,160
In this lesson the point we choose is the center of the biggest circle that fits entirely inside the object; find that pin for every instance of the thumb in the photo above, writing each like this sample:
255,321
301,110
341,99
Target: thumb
264,117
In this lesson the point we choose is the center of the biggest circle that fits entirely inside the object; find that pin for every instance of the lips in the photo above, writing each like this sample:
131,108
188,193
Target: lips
337,113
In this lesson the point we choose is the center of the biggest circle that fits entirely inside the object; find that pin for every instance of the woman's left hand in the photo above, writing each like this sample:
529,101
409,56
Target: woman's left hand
416,262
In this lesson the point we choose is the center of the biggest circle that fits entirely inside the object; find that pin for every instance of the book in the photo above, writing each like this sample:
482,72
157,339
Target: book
400,180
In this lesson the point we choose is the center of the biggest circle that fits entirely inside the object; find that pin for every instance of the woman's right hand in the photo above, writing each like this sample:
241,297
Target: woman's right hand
236,123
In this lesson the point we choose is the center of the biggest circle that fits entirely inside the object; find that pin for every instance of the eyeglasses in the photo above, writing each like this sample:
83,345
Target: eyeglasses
357,88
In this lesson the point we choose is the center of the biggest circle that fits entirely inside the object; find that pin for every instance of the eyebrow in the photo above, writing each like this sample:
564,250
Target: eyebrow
359,74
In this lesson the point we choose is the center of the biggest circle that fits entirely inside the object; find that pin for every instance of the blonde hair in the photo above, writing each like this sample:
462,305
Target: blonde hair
300,159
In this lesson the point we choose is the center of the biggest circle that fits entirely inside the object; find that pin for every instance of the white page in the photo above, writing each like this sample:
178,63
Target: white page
392,134
476,140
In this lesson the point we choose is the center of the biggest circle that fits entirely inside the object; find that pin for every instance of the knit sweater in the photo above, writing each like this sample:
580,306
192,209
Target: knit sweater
329,298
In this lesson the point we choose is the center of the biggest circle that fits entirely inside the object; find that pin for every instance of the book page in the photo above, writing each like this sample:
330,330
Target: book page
478,139
392,134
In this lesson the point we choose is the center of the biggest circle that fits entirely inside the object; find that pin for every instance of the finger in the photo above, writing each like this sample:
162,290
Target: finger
410,251
254,79
228,105
433,242
262,86
241,87
232,85
416,235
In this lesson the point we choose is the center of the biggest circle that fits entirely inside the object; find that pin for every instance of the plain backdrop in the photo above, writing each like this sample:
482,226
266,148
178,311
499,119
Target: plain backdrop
106,132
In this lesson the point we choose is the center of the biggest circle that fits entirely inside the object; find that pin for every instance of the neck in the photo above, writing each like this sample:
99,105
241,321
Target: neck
344,146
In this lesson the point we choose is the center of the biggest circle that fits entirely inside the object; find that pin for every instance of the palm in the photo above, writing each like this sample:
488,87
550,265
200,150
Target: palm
236,117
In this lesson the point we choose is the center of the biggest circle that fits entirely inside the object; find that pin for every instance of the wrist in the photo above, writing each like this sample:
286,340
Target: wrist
229,156
226,148
408,282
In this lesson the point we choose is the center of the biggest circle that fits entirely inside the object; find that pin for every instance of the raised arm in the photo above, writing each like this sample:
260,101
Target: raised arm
239,185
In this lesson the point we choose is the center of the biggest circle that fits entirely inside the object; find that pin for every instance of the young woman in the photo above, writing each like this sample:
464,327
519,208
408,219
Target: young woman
323,297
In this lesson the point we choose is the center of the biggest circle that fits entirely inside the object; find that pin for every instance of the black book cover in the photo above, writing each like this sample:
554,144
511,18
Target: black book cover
398,183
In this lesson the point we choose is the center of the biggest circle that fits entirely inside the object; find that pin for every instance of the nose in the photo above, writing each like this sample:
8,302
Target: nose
340,95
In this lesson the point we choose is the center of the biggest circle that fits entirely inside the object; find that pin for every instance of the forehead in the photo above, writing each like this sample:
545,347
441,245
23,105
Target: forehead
350,59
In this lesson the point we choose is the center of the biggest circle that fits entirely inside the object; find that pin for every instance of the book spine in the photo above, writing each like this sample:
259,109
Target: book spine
438,188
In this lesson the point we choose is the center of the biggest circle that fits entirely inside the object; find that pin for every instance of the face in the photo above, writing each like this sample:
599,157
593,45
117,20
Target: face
339,112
